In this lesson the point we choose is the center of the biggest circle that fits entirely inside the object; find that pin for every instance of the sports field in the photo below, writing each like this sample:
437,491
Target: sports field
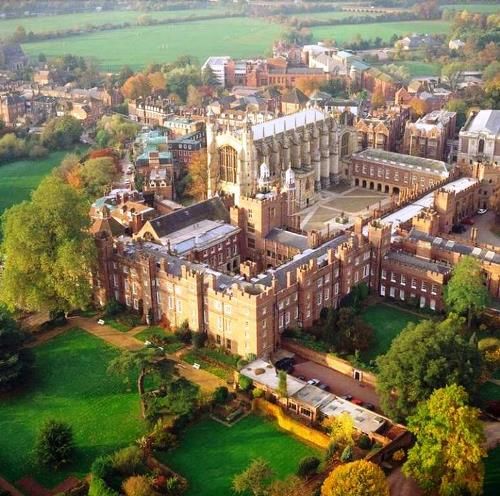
237,37
18,179
139,46
226,451
418,68
42,24
70,384
387,322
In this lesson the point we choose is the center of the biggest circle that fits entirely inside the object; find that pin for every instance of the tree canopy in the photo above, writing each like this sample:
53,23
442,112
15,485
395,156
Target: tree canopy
359,478
424,357
255,479
466,292
447,458
61,132
96,175
48,253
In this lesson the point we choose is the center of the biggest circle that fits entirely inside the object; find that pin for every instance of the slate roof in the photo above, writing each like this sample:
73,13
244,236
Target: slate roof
295,96
212,209
288,238
484,120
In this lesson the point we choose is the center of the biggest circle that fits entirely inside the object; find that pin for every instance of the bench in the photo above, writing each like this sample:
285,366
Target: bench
196,366
101,322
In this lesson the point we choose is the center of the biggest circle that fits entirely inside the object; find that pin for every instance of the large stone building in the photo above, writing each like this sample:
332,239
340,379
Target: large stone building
12,108
394,173
310,142
429,136
479,139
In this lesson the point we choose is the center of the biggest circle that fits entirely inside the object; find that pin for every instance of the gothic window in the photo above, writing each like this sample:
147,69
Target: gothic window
228,164
344,145
480,148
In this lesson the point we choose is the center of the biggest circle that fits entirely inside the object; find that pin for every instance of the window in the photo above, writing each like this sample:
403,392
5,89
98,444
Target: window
170,302
134,288
413,283
392,292
403,280
384,274
336,288
287,318
178,306
382,290
228,158
327,278
434,289
320,282
136,304
401,294
251,243
432,304
327,294
227,309
393,277
281,305
281,320
219,323
424,286
356,276
366,270
319,299
127,300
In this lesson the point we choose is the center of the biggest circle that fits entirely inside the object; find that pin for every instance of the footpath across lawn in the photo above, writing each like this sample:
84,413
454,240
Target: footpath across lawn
211,454
387,322
70,384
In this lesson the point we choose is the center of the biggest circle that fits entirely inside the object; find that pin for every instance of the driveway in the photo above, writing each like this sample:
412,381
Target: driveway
484,223
340,384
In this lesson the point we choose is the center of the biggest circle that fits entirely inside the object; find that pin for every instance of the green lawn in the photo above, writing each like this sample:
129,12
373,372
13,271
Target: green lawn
43,24
173,343
332,15
18,179
492,475
387,323
385,30
210,454
70,384
139,46
482,8
420,69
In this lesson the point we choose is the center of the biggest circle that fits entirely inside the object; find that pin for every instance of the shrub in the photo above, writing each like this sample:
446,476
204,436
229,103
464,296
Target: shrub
331,450
99,488
112,308
364,442
308,466
162,437
257,393
102,468
241,363
138,485
346,455
129,461
399,455
220,395
183,332
54,446
199,339
245,383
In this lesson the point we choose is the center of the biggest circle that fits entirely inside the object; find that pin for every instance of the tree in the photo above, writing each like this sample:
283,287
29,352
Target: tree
491,71
291,486
282,384
447,458
144,362
359,478
425,357
419,106
11,147
157,80
208,77
198,175
341,429
346,330
15,361
48,251
452,73
115,130
138,485
308,466
61,132
460,107
254,479
96,176
194,98
308,85
466,292
136,87
378,99
54,446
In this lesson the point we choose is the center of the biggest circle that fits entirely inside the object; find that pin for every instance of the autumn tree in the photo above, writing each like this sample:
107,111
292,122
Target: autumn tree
48,253
136,86
378,99
157,80
419,106
145,362
255,479
466,292
447,458
194,98
452,73
96,176
424,357
359,478
198,175
341,429
308,85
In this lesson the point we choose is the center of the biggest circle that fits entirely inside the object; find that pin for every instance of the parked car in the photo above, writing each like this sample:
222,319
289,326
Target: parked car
458,228
468,221
347,397
285,364
482,211
324,387
356,401
313,382
301,377
368,405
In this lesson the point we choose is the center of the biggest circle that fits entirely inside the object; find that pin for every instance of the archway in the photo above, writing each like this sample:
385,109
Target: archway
372,186
386,189
356,182
364,183
395,190
379,187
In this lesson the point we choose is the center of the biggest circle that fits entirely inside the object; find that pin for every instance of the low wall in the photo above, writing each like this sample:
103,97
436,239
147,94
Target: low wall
289,424
328,360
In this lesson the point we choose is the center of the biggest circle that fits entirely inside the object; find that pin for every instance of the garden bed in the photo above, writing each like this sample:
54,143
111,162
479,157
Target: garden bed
160,337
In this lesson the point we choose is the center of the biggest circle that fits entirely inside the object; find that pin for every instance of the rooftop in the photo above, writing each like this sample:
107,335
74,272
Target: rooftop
436,167
418,262
484,120
288,238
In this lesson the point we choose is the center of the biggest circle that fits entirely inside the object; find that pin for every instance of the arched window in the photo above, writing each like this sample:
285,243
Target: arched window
228,164
344,145
480,147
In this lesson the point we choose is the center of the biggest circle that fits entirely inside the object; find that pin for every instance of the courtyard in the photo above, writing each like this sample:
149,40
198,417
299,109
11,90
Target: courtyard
69,383
222,452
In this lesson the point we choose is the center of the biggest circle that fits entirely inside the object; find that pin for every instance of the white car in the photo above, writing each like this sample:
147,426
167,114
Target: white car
482,211
313,382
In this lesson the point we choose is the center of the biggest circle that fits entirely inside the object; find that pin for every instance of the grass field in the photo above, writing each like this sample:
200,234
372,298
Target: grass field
482,8
492,476
332,15
238,37
18,179
139,46
43,24
226,451
70,384
418,69
387,323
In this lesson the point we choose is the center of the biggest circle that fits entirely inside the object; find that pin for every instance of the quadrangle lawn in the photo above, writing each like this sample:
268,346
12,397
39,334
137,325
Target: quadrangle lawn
492,475
71,384
387,322
18,179
210,454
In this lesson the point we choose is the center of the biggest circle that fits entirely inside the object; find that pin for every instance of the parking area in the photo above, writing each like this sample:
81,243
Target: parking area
338,383
484,225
